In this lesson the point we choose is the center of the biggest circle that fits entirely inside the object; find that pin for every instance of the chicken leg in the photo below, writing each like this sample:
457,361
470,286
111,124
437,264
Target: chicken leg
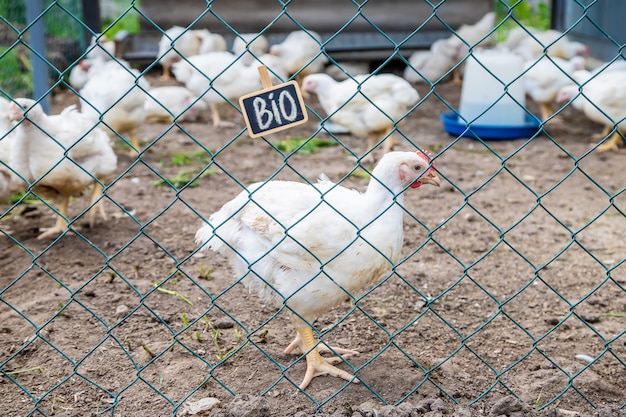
95,195
167,75
457,79
217,119
612,144
546,111
605,132
61,224
374,137
135,146
296,347
316,365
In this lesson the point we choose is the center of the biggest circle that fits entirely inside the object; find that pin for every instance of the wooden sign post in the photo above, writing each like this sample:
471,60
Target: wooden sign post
274,108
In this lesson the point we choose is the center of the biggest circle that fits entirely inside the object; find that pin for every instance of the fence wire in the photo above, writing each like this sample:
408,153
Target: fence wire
28,347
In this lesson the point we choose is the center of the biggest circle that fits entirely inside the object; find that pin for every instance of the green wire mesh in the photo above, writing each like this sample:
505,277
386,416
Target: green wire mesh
64,21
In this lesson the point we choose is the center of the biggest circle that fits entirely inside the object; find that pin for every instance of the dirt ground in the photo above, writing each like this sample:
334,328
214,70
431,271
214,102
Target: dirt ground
512,271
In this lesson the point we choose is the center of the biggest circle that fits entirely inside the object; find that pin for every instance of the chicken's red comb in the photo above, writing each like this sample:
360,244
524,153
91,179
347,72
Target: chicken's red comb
426,155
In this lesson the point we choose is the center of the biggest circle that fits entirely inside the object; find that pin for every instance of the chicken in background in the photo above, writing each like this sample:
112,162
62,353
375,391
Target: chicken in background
479,34
86,68
300,54
10,183
430,66
445,54
100,47
368,106
544,78
309,246
250,46
617,64
166,103
530,44
220,76
101,56
345,69
178,42
603,100
61,155
115,96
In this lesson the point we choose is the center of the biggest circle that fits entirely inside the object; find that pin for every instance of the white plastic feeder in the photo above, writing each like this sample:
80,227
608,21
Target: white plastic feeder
482,88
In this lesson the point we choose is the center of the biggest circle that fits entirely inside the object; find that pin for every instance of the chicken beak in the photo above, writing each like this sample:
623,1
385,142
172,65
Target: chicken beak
431,178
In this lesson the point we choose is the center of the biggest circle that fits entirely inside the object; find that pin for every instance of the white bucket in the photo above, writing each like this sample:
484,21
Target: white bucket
481,89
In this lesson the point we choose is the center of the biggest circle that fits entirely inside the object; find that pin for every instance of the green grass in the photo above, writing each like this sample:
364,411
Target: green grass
525,13
127,20
362,174
309,146
187,158
194,163
15,74
184,178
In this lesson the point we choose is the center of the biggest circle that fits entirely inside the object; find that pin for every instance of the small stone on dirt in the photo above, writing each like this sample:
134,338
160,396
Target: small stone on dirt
509,406
196,407
224,323
248,406
368,409
121,310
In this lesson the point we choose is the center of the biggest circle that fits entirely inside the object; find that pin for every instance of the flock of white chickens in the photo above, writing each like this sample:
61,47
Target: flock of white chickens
309,268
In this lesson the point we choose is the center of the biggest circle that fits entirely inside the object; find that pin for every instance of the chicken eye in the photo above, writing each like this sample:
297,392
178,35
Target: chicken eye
417,167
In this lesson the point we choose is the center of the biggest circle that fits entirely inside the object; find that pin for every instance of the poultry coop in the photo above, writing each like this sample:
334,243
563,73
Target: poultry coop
366,262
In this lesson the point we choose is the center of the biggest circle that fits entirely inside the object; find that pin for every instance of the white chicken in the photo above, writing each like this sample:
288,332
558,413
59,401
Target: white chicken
249,46
221,76
100,47
429,66
471,36
308,246
445,54
610,66
603,100
10,183
368,105
301,53
60,155
544,78
86,68
530,44
116,96
166,103
178,42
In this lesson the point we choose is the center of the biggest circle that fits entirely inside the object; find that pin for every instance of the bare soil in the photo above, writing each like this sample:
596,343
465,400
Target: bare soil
512,269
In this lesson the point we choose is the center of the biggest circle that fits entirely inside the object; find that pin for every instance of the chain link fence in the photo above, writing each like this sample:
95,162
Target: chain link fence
129,318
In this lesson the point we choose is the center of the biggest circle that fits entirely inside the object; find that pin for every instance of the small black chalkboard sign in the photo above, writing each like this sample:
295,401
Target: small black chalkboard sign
274,108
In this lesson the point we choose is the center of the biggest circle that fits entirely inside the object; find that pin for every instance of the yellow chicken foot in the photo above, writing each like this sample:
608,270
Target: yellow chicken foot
612,144
61,224
295,347
316,365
